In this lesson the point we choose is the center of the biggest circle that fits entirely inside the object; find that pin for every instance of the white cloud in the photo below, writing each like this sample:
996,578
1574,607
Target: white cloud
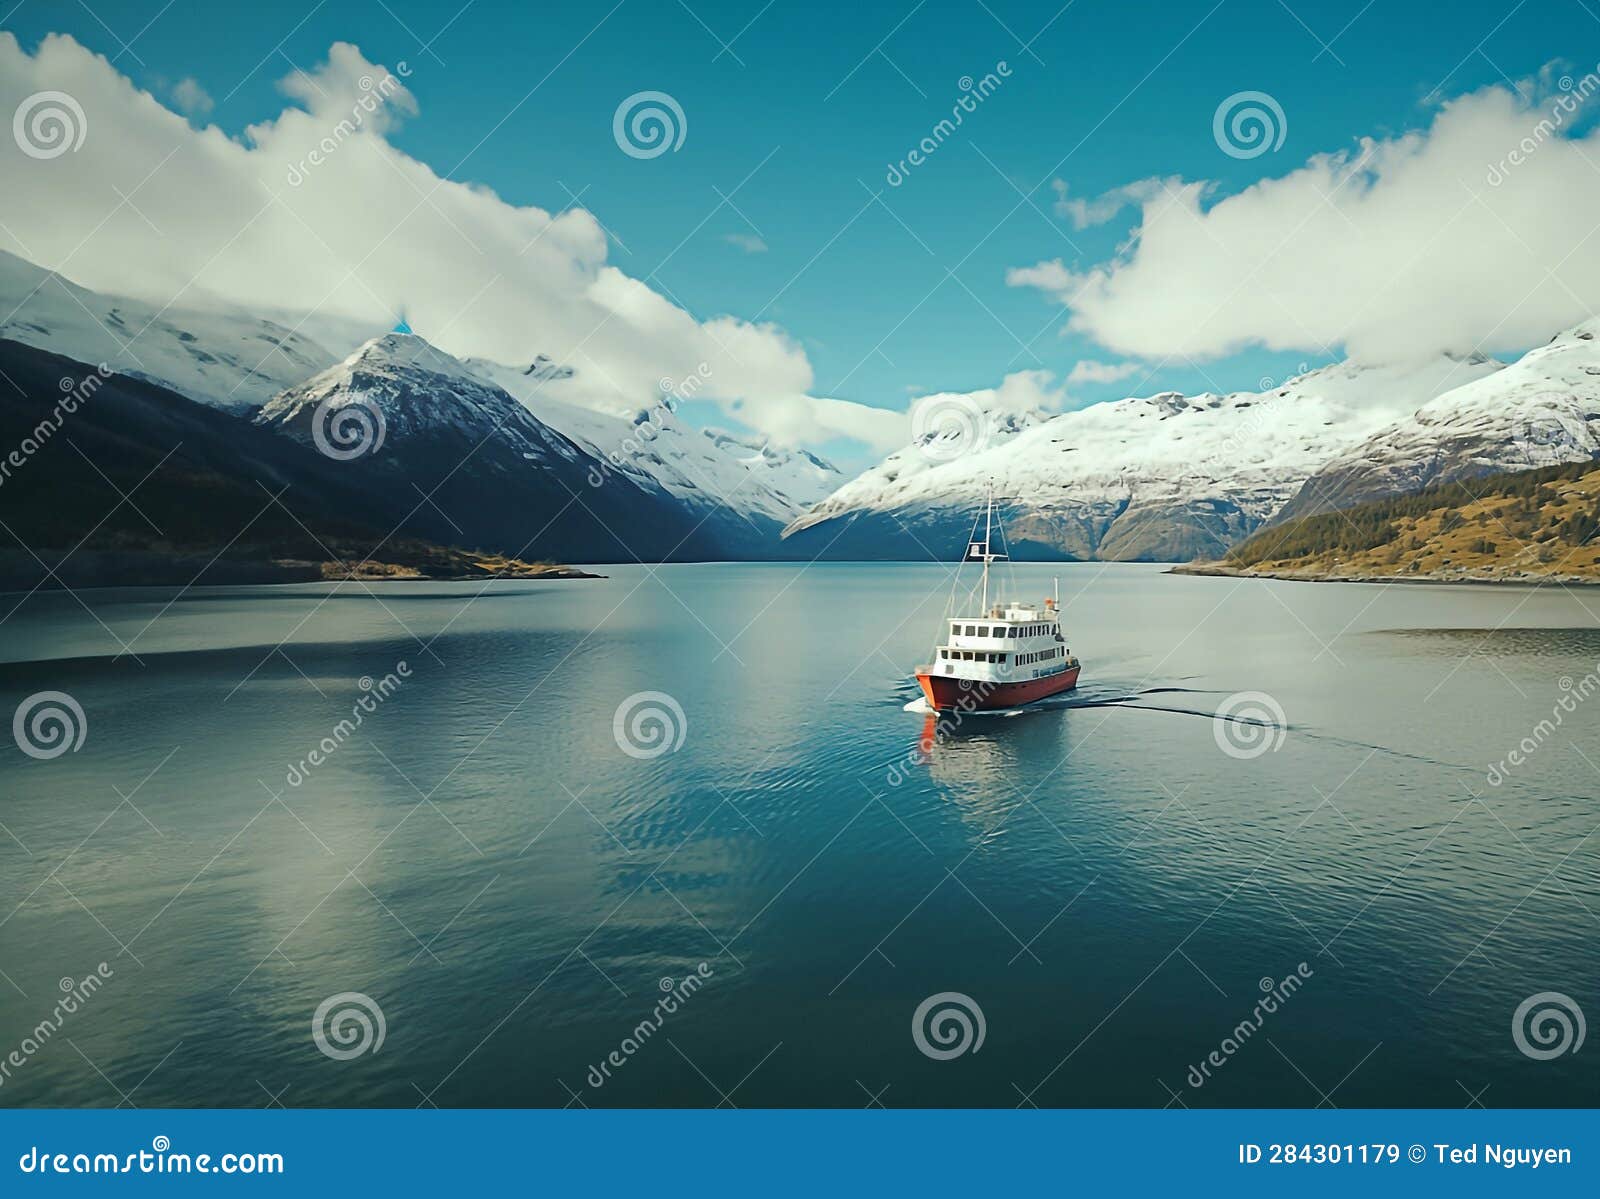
1090,371
1474,233
748,242
1019,393
191,98
366,233
1097,211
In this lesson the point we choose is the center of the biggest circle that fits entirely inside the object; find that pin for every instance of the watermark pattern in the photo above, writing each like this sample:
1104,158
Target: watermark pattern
973,93
947,722
674,993
1248,125
347,1025
1273,993
947,1025
75,392
74,993
1573,95
49,723
947,427
349,430
49,124
1547,1025
648,424
648,724
648,124
1572,694
374,95
373,694
1248,724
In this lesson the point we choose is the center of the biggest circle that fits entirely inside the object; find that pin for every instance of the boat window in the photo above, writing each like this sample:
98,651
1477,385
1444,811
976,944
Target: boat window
971,632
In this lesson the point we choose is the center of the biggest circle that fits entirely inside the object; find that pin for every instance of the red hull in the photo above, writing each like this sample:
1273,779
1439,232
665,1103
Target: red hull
948,694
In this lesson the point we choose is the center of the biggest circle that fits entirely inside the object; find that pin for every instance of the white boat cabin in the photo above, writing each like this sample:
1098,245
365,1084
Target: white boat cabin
1012,643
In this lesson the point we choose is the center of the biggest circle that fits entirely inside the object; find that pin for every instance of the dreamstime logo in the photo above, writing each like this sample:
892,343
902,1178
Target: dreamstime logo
73,393
1572,694
350,430
648,724
674,993
48,724
348,1025
948,1025
374,95
648,124
944,427
49,124
1267,383
1555,436
648,424
1575,93
973,93
1548,1025
1274,992
1248,125
373,693
74,994
1248,724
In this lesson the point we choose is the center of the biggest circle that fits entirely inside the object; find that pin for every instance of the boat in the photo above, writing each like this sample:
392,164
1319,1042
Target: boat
1012,653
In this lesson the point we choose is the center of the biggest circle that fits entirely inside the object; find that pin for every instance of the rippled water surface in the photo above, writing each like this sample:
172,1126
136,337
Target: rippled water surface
1107,884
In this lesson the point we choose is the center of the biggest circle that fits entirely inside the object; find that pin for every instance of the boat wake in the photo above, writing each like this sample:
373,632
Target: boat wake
1109,695
1093,696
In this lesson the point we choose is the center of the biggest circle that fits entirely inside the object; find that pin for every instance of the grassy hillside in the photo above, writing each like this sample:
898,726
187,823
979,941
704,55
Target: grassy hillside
1522,525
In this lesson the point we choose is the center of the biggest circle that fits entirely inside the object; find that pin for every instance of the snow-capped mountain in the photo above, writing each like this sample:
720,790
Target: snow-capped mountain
797,476
1542,410
740,493
416,421
228,360
726,480
1160,478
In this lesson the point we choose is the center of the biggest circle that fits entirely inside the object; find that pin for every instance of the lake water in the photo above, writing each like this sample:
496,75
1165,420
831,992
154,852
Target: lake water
1111,880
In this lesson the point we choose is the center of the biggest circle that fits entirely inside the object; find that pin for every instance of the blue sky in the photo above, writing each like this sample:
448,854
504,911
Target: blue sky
792,105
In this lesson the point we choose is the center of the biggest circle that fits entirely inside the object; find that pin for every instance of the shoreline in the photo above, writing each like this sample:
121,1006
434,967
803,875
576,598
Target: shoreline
99,569
1433,579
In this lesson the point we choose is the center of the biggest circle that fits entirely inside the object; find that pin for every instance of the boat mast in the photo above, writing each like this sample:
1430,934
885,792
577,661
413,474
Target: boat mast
988,525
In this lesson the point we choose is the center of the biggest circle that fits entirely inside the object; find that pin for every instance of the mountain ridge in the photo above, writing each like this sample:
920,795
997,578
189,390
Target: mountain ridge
1165,477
